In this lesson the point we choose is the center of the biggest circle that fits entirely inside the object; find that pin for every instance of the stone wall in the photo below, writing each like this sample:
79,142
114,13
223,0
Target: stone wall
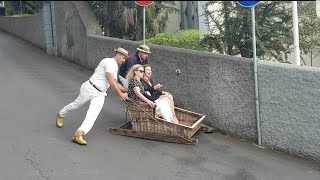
28,28
290,108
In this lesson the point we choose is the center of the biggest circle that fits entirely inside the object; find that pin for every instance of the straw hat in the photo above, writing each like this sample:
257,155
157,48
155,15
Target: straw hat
144,48
122,51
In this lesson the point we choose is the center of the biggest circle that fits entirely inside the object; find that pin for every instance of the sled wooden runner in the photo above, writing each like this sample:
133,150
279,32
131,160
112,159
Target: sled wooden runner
144,124
157,137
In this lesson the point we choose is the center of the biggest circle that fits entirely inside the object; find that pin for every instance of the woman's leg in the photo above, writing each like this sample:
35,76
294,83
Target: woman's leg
169,98
169,101
165,109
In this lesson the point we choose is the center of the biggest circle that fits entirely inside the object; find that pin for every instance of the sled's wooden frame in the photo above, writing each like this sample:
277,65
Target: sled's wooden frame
144,124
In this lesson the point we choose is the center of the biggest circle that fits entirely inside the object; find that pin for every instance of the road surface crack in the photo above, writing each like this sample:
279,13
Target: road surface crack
34,164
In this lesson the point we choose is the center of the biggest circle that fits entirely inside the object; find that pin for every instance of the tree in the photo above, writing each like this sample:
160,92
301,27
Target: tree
230,29
23,7
309,29
123,19
31,7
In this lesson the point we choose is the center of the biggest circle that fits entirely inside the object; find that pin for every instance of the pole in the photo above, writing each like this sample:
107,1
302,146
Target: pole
47,22
318,7
20,7
296,32
255,69
144,25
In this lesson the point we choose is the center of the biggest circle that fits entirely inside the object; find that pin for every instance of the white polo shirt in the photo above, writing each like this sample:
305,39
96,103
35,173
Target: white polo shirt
99,78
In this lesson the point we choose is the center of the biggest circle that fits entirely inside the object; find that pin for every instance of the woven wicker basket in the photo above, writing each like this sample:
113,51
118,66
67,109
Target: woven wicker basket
143,119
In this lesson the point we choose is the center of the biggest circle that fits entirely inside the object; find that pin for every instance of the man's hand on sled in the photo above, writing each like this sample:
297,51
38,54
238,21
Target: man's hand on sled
124,96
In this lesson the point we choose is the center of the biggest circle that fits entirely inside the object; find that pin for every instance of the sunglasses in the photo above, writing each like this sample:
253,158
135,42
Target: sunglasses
142,71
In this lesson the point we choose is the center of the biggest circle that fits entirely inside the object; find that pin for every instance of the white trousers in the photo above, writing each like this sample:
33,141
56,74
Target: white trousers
124,82
87,92
164,108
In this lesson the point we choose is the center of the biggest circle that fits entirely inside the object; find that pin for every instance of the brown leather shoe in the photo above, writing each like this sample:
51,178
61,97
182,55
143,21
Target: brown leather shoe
59,121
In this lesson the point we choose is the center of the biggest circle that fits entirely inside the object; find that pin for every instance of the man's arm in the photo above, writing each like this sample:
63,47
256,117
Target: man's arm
114,84
122,89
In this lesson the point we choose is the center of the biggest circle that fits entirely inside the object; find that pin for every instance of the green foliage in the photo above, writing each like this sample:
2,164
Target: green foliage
124,19
22,7
187,39
231,31
309,29
21,15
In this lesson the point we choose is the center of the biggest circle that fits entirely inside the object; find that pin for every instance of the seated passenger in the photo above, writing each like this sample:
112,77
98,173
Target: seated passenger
153,92
136,92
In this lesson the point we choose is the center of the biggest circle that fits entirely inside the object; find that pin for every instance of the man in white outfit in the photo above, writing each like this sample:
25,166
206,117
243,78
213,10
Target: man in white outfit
94,89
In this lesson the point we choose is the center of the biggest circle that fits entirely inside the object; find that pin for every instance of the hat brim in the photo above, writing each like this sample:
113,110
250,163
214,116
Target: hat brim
143,51
121,52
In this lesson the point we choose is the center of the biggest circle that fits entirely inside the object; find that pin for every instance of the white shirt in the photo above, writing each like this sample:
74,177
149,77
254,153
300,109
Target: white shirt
99,78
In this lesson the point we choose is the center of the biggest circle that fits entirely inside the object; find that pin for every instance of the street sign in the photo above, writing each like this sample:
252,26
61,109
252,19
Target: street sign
248,3
144,3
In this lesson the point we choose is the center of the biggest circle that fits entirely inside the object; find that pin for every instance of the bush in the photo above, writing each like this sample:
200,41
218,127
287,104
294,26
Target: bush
187,39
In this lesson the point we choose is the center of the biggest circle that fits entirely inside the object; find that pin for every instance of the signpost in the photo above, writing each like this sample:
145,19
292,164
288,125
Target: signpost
144,4
318,7
296,32
251,5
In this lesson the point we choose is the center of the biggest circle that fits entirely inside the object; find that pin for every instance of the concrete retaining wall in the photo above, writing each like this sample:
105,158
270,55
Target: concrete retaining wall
290,108
222,87
29,28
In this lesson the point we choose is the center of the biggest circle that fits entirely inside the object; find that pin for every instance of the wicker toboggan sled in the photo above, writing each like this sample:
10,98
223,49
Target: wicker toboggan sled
145,124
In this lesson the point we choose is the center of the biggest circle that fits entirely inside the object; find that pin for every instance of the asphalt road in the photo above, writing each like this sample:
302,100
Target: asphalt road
35,86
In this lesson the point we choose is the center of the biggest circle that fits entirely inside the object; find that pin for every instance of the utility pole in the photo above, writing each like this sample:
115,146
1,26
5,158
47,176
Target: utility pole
318,7
296,32
20,7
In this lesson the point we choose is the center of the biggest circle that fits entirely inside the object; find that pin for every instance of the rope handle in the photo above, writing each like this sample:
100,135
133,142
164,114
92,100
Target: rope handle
153,117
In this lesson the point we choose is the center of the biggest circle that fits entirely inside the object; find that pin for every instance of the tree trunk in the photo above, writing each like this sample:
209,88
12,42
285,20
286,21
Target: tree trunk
311,58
